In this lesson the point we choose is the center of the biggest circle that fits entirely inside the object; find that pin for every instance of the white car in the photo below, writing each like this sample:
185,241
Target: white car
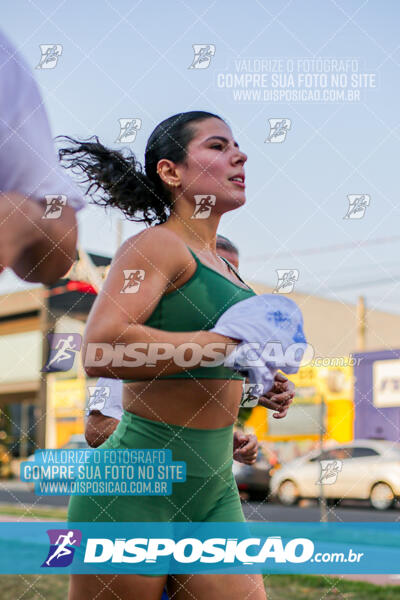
362,470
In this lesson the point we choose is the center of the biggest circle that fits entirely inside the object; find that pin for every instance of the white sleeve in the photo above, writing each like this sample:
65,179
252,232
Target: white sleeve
112,404
28,159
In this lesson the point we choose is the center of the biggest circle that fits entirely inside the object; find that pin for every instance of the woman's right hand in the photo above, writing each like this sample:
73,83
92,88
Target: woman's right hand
279,397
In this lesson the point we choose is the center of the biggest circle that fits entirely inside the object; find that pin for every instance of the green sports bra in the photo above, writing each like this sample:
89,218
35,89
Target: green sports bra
197,305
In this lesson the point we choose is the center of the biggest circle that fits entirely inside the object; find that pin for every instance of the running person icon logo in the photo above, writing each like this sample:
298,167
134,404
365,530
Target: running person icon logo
55,204
330,470
62,351
128,129
133,279
203,54
50,55
98,397
251,394
278,129
61,551
286,280
204,203
357,206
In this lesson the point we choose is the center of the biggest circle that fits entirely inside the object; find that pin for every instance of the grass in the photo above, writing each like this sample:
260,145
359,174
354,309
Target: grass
57,514
312,587
279,587
34,587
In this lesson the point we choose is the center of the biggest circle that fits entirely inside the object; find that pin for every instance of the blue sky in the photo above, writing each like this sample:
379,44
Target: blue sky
125,59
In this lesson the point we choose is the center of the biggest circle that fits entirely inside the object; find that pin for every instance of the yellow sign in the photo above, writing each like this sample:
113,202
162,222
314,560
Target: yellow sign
333,384
66,400
69,394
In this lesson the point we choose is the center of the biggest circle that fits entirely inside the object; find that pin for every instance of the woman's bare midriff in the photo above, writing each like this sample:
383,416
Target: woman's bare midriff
200,403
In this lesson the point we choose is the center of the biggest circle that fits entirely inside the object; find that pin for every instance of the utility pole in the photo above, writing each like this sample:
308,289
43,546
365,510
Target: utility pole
361,324
322,500
47,325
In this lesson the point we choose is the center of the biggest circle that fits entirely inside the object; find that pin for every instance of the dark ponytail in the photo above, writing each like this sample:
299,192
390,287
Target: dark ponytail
121,179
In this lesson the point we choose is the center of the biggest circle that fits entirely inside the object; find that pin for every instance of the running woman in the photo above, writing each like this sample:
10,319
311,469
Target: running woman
185,288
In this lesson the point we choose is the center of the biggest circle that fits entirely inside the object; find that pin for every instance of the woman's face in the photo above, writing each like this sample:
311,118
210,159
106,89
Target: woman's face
213,159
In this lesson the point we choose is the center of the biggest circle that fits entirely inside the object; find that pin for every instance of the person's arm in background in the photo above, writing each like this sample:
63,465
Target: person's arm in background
37,249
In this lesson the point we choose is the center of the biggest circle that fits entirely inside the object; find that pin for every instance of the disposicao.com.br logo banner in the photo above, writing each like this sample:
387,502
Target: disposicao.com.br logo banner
159,548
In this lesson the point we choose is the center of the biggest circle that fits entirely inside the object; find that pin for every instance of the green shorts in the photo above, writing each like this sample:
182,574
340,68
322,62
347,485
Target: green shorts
208,494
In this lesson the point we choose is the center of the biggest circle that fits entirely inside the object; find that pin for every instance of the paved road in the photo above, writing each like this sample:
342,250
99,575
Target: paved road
19,494
309,511
15,492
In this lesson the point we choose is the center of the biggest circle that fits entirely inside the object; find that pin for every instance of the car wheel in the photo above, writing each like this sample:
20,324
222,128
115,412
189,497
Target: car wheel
382,496
288,493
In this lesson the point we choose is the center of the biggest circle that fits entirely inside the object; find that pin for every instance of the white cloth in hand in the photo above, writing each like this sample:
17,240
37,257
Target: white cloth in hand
270,328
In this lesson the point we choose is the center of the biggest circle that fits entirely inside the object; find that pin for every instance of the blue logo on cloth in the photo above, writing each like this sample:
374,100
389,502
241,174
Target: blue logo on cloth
280,319
299,337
